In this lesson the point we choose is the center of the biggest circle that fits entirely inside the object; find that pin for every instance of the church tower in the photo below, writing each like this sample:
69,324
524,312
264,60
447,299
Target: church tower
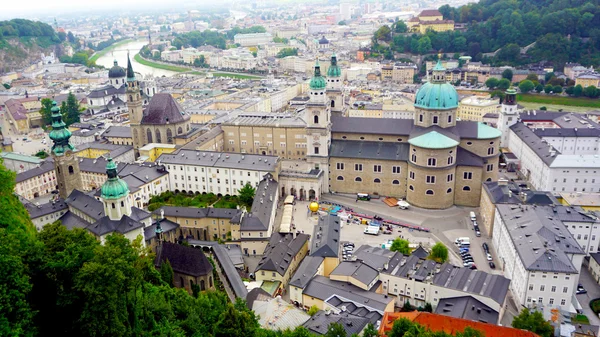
67,166
335,83
134,105
115,194
436,101
508,115
318,125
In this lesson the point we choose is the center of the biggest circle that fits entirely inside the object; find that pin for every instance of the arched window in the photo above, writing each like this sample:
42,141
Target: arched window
488,179
71,171
340,178
158,137
490,151
429,192
130,98
122,204
182,281
377,180
396,182
450,160
358,179
449,190
202,285
466,188
210,284
113,205
135,134
333,103
431,161
411,188
316,119
149,135
169,136
180,130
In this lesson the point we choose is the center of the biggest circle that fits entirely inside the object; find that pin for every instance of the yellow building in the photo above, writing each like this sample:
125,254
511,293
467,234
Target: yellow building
475,107
281,258
587,201
430,19
152,151
588,79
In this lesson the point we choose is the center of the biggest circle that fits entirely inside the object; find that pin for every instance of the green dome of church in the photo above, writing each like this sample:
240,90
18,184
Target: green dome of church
437,93
60,135
114,187
317,82
334,70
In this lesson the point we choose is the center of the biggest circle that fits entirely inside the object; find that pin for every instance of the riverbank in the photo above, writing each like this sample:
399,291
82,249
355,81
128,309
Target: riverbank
139,59
103,52
559,100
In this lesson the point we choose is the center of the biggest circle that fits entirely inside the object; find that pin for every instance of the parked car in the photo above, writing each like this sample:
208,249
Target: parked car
387,232
468,264
477,233
492,265
580,289
489,256
485,247
348,244
473,266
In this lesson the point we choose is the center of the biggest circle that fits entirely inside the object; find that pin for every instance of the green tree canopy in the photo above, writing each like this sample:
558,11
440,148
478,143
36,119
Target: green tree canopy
534,322
246,195
491,82
526,86
287,52
45,111
400,245
336,330
508,74
439,253
503,84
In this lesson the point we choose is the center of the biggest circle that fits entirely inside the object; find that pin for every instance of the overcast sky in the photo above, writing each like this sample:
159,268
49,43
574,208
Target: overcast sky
37,8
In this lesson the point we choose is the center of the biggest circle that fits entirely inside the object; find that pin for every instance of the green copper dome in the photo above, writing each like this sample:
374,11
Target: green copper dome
114,187
317,82
60,135
334,69
437,93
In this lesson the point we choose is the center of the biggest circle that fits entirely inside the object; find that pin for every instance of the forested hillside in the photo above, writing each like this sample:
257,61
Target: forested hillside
564,30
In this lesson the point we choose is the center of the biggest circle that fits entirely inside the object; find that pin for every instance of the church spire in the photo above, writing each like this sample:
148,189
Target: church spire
130,73
60,135
317,82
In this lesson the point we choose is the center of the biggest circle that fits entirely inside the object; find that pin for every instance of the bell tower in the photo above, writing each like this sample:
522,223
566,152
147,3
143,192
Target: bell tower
115,194
65,161
335,84
318,125
134,106
508,115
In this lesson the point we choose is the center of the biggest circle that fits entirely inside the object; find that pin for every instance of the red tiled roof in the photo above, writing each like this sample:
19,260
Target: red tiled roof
450,325
430,12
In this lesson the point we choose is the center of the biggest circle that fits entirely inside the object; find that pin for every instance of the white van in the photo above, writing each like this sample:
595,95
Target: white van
462,241
473,217
372,230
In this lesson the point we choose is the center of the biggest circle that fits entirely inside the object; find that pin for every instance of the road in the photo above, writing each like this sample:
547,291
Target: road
593,292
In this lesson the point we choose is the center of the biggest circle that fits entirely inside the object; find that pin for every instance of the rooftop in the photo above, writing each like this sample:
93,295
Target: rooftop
281,251
184,260
326,237
467,307
242,161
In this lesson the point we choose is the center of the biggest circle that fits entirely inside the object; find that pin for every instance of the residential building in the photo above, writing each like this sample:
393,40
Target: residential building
36,182
326,242
190,266
47,213
475,107
216,172
404,73
587,201
539,255
430,19
594,266
467,307
588,79
254,39
280,260
319,323
18,163
206,224
118,135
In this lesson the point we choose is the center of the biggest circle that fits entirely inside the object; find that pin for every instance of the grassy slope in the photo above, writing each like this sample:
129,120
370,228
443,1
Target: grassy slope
141,60
559,100
103,52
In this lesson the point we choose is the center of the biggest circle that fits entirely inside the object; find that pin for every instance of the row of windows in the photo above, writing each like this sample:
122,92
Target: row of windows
434,119
576,180
430,192
376,180
552,289
551,301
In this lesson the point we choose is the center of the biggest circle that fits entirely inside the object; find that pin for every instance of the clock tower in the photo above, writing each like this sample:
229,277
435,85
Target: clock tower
318,126
66,164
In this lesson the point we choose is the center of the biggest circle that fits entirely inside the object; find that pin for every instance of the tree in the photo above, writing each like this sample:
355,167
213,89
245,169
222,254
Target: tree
342,23
6,86
235,321
166,273
400,245
508,74
532,77
71,110
491,82
70,37
424,45
370,331
578,90
557,89
498,93
539,87
534,322
428,307
45,111
526,86
406,307
439,253
590,91
503,84
400,27
313,310
287,52
383,33
570,90
509,53
246,195
548,76
62,36
336,330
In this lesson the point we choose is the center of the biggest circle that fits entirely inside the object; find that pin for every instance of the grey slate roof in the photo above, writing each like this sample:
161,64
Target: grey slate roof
70,221
375,257
105,225
467,158
165,224
221,159
37,211
90,206
184,260
369,150
194,212
306,270
467,307
326,237
534,142
115,150
265,198
472,281
319,323
163,109
324,288
357,270
540,237
509,194
45,167
382,126
281,250
106,91
118,132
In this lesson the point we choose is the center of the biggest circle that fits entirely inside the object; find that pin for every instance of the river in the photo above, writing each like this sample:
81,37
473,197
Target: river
120,54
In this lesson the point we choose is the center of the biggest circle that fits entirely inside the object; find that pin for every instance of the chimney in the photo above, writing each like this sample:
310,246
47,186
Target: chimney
523,196
162,213
509,194
502,182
